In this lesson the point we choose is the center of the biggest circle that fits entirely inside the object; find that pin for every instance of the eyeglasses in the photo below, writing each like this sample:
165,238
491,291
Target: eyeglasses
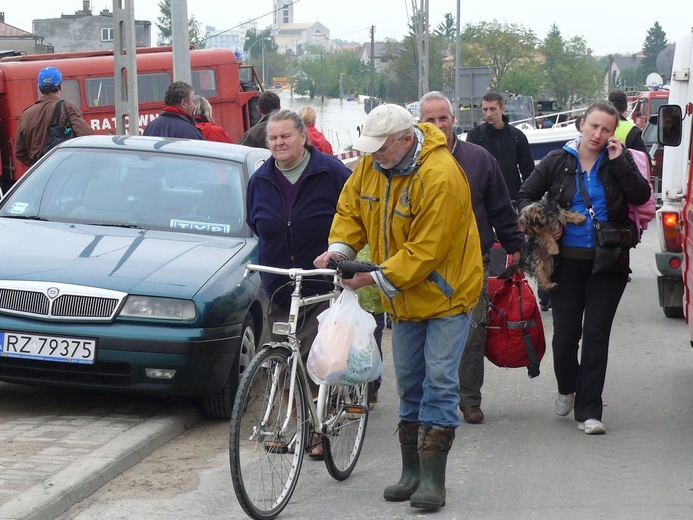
380,153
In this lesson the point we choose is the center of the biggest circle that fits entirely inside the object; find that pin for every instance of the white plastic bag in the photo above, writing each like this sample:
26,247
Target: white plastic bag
344,351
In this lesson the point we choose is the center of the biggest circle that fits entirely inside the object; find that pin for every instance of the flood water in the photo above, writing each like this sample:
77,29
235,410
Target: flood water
336,119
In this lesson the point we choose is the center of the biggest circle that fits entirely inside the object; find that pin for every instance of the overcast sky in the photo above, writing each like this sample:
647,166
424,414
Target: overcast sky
619,27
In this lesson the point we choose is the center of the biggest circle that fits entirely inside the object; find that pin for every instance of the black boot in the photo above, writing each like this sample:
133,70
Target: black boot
409,481
434,445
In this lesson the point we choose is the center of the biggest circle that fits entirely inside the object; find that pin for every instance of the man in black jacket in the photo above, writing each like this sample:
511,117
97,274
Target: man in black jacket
256,136
505,142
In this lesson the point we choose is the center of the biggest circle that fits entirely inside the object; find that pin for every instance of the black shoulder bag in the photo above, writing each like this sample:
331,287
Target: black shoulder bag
612,240
57,133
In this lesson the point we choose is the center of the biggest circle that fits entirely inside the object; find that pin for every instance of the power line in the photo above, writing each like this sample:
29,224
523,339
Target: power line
251,20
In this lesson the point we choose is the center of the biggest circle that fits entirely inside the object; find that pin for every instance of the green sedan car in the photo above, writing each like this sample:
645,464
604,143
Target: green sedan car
122,269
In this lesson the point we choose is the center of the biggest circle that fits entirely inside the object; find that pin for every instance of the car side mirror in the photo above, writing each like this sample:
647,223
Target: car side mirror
669,125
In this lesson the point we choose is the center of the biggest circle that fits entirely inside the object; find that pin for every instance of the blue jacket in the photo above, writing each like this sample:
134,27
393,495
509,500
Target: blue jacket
618,179
491,203
169,124
298,241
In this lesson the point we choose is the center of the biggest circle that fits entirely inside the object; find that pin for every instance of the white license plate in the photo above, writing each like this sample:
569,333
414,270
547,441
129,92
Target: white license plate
47,348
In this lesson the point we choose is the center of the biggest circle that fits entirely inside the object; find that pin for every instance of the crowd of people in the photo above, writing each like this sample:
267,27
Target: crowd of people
428,208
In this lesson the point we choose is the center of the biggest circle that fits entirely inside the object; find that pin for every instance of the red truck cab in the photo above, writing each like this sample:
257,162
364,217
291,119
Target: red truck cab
88,81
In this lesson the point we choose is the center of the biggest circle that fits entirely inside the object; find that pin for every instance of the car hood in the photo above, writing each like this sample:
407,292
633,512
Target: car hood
128,260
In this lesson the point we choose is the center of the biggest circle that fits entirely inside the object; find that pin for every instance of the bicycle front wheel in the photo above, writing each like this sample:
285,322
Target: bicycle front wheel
345,422
267,441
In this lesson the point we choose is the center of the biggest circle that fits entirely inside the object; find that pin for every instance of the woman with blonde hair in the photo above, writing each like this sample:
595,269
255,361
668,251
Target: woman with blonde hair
202,112
317,138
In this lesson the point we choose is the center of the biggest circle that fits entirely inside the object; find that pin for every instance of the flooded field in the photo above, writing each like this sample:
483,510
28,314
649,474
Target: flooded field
336,119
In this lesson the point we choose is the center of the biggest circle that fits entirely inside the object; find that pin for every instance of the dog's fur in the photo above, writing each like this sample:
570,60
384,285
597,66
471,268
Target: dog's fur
538,221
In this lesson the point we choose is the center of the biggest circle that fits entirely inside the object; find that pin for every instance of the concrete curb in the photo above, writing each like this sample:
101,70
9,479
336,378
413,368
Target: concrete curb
52,497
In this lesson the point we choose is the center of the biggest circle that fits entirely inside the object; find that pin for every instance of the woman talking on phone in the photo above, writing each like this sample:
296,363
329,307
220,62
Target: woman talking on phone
596,176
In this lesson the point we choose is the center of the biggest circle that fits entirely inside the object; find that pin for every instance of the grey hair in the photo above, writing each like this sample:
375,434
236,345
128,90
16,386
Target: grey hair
435,94
288,115
202,108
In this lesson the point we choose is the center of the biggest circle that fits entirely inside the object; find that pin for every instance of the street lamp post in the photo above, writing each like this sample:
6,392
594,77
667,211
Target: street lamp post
262,54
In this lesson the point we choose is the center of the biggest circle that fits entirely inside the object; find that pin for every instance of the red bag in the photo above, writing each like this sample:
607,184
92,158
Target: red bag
515,332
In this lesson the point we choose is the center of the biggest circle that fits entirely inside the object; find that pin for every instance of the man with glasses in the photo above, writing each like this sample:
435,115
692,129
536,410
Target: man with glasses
176,118
410,202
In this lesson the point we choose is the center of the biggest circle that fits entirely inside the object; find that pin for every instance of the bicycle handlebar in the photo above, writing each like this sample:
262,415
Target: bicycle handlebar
350,267
345,267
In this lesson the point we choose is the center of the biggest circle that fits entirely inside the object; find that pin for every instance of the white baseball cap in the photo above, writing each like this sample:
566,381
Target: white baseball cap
382,122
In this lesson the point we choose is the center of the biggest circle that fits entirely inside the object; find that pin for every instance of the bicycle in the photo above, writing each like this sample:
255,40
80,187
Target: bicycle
274,414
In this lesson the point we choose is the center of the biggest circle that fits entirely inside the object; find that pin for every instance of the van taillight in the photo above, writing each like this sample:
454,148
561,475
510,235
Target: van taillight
671,226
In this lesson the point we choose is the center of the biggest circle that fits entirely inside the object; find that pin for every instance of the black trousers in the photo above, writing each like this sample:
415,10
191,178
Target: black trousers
584,306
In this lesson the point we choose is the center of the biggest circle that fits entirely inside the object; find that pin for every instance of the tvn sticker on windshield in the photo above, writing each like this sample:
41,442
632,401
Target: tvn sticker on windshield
201,227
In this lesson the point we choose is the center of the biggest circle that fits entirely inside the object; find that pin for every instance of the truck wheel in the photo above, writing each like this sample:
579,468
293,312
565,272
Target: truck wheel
220,405
673,312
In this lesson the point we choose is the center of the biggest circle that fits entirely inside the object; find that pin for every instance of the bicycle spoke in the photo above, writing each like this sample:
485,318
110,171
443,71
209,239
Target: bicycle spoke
346,419
265,459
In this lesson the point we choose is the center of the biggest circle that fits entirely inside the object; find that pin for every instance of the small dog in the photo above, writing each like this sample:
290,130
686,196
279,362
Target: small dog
538,221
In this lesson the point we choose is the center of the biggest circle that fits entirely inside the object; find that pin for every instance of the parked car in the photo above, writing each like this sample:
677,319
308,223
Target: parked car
122,259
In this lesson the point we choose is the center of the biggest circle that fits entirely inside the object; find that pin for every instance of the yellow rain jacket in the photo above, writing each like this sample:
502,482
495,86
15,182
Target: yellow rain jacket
420,227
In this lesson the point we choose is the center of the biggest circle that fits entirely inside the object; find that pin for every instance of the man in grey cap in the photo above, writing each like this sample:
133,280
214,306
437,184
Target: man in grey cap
410,201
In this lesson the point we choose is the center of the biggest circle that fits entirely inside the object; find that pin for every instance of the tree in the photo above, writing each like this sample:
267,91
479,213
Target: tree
500,47
163,24
447,29
655,42
571,75
402,70
319,72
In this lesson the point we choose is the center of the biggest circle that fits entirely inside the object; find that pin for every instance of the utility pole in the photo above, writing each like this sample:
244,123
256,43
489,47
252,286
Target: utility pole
125,61
456,103
421,30
181,41
372,92
322,89
423,17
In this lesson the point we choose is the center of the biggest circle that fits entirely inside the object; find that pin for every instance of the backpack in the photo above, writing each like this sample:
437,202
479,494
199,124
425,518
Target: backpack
643,213
56,132
515,332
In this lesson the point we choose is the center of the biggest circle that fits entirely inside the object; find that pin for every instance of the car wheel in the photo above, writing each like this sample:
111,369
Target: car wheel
673,312
220,405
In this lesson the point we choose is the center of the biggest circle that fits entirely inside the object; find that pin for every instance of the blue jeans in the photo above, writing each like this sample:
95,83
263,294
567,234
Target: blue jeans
426,356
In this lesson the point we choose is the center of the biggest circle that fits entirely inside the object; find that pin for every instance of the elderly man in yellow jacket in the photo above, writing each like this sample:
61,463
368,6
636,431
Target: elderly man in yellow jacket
410,201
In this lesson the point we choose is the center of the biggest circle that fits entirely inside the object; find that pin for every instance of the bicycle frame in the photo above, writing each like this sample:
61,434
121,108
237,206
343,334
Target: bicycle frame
316,412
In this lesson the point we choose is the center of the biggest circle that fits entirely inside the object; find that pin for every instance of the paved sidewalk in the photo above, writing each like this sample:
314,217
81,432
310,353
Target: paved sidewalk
58,446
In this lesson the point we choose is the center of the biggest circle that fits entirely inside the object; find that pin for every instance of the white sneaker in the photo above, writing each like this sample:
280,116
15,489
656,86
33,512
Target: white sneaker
564,403
592,427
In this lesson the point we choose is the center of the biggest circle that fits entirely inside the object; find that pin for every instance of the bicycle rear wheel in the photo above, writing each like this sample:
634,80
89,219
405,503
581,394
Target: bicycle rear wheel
266,461
346,420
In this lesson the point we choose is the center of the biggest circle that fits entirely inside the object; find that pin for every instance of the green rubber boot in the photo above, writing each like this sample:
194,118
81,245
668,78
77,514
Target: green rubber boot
434,444
409,481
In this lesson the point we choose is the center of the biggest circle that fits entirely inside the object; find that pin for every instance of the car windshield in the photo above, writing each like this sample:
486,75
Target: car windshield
649,134
138,189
